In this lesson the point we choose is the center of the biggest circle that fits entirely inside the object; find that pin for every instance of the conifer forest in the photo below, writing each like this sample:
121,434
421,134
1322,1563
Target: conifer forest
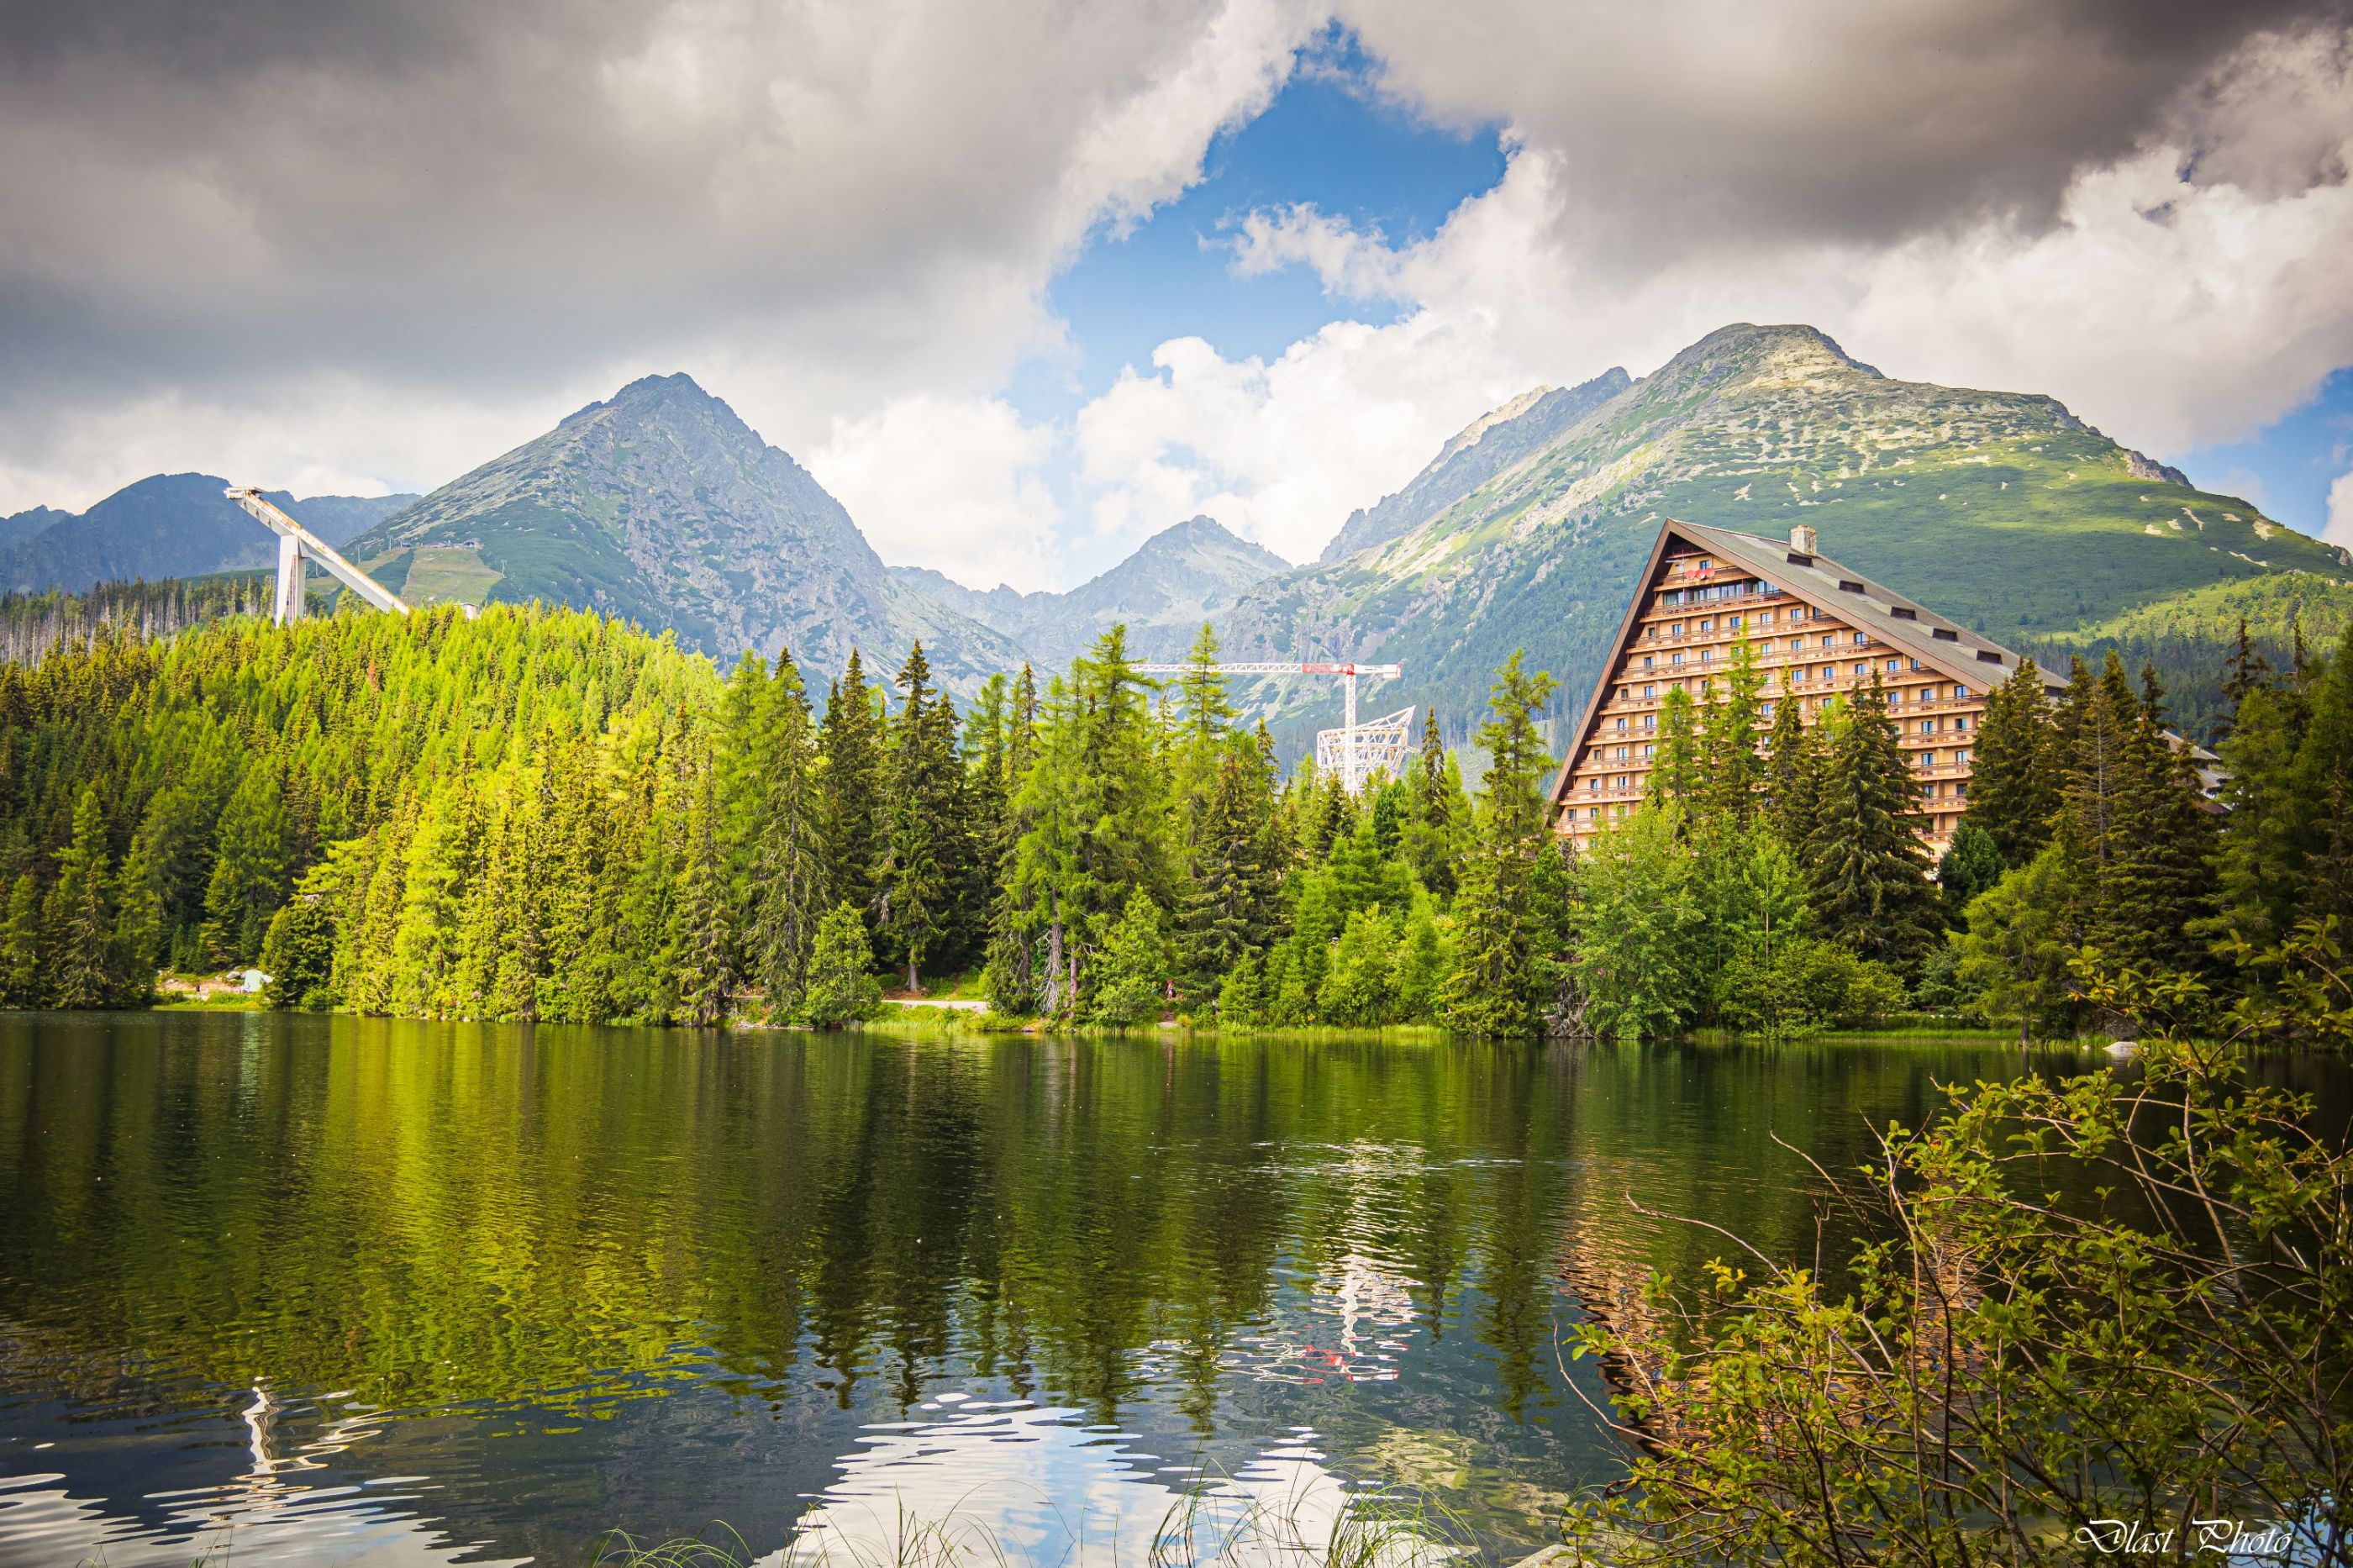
544,814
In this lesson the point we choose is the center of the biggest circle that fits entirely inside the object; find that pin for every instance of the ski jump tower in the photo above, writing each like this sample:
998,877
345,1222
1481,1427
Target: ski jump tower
1355,751
297,548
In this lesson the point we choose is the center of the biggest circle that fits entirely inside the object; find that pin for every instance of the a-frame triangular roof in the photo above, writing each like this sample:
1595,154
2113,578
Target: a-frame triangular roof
1946,647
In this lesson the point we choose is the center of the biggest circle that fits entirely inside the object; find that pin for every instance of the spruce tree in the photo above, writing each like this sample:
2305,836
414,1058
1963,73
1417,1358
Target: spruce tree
2015,774
923,852
1497,968
855,798
1675,770
2324,780
79,924
790,878
1867,872
1733,774
841,985
2161,876
700,959
250,868
20,946
1789,773
2247,671
1438,809
2259,862
1971,864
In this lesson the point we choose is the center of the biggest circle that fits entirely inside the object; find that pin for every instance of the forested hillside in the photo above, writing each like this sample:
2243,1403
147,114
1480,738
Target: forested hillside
548,814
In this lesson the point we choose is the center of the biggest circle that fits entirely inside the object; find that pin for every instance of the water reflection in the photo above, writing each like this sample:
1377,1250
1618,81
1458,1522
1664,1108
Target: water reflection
460,1293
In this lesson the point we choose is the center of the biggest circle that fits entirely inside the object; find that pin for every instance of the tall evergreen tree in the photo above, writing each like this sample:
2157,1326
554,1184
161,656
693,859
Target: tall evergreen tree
79,936
1675,770
1500,974
20,946
2014,777
1733,772
701,960
250,868
1868,874
855,798
923,857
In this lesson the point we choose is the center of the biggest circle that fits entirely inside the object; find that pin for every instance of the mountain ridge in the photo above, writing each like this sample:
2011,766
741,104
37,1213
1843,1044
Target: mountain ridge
168,525
1181,576
2004,511
660,505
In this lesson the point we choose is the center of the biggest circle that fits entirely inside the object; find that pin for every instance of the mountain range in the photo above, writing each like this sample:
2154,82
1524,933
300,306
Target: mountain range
168,525
1189,573
2002,509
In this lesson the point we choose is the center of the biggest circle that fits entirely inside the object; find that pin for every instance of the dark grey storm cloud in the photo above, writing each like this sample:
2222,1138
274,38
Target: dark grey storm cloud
1703,124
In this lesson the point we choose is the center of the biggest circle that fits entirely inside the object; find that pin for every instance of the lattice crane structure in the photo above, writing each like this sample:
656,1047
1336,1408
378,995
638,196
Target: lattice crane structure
1355,751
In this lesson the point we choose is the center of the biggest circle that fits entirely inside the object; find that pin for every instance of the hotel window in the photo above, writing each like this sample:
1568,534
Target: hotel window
1961,759
1650,690
1706,656
1768,711
1927,759
1862,640
1927,726
1960,720
1649,722
1796,645
1928,791
1765,618
1676,660
1861,670
1650,661
1894,665
1594,785
1622,724
1621,753
1649,751
1961,692
1915,666
1828,641
1961,790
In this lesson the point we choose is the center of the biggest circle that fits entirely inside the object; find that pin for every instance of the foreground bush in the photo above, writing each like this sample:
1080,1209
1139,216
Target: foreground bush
2106,1309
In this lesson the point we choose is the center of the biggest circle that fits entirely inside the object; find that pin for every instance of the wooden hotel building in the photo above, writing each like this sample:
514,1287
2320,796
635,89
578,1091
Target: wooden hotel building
1820,632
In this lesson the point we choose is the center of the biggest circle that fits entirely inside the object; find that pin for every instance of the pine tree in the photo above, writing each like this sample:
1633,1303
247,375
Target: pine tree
2324,780
842,989
1676,771
2014,778
2259,863
855,798
250,868
790,878
2246,672
1133,972
925,854
1971,864
20,946
1733,774
699,956
2161,875
1868,876
1438,809
1494,987
1789,773
79,939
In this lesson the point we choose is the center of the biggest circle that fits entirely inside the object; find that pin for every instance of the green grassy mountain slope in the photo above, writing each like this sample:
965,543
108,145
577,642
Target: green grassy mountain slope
2002,511
1186,573
661,506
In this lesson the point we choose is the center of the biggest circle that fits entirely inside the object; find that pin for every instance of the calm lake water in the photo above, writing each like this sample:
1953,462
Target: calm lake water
361,1292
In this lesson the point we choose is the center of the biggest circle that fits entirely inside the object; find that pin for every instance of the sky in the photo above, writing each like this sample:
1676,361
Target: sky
1024,284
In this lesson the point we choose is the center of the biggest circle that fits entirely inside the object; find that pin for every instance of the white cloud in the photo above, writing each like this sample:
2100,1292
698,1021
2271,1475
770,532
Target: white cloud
953,484
457,206
2167,304
2340,512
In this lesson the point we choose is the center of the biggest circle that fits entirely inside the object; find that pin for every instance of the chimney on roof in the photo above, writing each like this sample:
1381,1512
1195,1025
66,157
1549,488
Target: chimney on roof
1801,539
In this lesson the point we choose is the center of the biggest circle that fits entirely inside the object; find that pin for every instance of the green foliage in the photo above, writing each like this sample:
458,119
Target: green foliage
842,989
1131,979
1636,928
1869,874
2102,1305
1511,911
298,953
1971,864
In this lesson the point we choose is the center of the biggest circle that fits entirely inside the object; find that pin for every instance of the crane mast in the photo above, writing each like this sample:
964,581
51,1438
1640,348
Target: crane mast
1349,747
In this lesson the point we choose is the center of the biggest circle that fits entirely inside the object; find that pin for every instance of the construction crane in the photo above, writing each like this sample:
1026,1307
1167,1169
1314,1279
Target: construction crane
1345,746
297,548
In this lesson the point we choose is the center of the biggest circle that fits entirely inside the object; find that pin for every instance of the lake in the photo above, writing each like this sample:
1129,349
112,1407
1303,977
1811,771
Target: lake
382,1292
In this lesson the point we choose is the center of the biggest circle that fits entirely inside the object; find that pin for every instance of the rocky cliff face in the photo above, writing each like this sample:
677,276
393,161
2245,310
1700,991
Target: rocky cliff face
661,506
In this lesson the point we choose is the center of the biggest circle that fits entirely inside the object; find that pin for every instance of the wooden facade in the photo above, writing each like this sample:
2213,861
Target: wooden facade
1820,633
